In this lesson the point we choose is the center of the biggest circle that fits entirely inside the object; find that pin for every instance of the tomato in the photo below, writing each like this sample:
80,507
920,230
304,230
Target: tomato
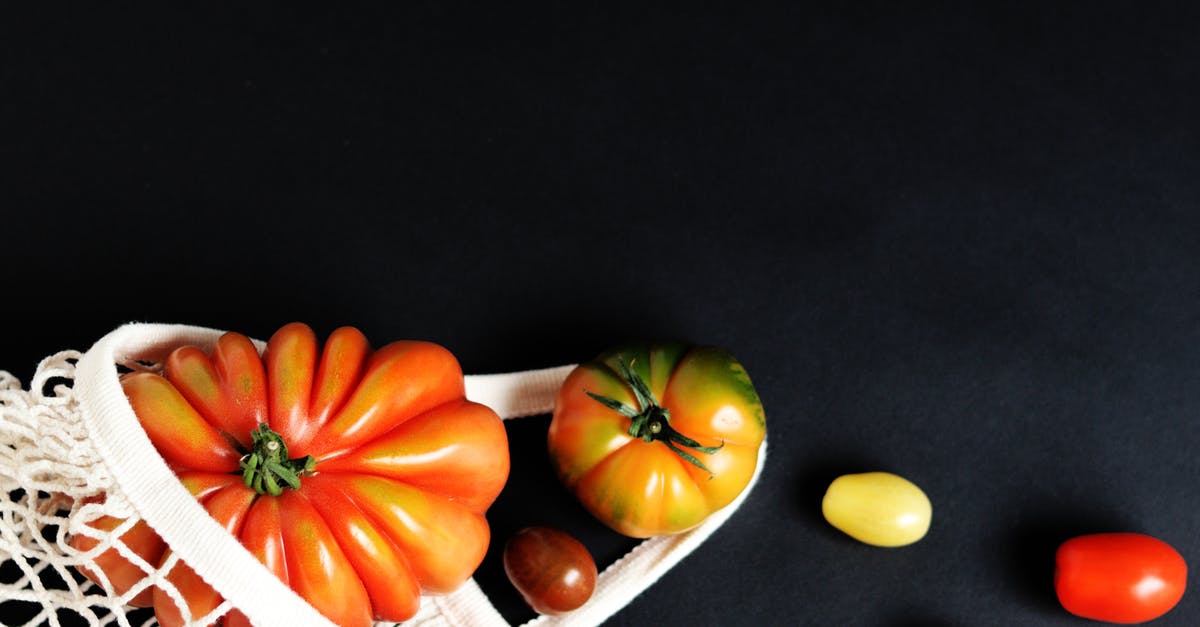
359,477
877,508
552,570
122,573
1119,577
654,438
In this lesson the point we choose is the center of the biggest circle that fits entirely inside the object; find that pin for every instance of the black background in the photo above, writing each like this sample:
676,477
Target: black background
958,244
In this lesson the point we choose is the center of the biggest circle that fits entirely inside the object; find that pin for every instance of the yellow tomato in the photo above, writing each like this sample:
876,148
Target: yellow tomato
877,508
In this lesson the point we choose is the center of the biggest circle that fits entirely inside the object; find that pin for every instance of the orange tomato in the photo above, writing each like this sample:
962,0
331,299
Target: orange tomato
359,477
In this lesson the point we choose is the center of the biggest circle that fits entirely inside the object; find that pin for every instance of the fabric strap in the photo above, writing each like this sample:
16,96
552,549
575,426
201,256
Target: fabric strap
158,496
220,559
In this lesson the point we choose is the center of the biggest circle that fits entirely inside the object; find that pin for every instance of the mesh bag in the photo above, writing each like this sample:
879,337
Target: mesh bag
82,487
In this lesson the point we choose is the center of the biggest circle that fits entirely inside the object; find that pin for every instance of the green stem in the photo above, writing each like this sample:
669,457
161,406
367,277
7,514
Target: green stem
267,469
651,422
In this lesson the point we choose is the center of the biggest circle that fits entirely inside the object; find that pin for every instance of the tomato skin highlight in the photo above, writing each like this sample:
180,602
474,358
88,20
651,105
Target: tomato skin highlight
179,432
1119,577
445,541
244,379
393,588
450,450
691,448
358,477
226,388
318,568
552,570
399,381
291,362
341,365
666,497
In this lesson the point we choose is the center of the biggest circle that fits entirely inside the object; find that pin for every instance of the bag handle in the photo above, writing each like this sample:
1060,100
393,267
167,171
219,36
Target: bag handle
217,557
531,393
155,492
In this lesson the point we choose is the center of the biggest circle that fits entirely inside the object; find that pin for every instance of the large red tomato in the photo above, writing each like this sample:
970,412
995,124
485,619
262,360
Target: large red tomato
654,438
358,477
1119,577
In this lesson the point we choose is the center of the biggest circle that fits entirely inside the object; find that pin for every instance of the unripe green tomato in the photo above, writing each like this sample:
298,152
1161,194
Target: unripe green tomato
877,508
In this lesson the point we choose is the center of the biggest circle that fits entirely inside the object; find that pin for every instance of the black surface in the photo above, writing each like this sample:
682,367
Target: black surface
957,244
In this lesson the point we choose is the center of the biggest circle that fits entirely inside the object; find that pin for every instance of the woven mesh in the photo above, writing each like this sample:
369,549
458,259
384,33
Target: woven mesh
61,515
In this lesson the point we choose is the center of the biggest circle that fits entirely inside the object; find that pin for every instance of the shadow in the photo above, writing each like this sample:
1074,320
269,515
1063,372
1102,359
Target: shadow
1025,554
914,618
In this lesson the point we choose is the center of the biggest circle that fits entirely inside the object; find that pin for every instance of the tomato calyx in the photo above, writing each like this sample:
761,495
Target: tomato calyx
267,466
651,422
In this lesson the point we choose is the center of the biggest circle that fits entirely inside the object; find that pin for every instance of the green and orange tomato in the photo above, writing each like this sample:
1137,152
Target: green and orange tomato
652,438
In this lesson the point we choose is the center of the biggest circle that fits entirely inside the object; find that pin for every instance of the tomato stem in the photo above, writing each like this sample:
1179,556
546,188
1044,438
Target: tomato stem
651,422
267,466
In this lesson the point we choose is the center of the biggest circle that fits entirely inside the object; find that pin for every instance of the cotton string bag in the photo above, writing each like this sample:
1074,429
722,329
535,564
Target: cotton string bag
72,451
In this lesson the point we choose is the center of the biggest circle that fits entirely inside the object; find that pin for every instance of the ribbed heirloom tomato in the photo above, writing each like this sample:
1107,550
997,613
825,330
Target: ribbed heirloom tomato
359,477
654,438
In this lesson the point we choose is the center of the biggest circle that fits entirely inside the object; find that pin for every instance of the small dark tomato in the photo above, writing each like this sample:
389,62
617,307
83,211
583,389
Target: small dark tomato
552,570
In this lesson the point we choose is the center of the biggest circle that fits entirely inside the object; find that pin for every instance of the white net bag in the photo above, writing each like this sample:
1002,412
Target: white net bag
84,492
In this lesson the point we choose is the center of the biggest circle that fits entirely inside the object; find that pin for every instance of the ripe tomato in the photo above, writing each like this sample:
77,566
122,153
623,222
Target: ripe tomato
654,438
358,477
1119,577
552,570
